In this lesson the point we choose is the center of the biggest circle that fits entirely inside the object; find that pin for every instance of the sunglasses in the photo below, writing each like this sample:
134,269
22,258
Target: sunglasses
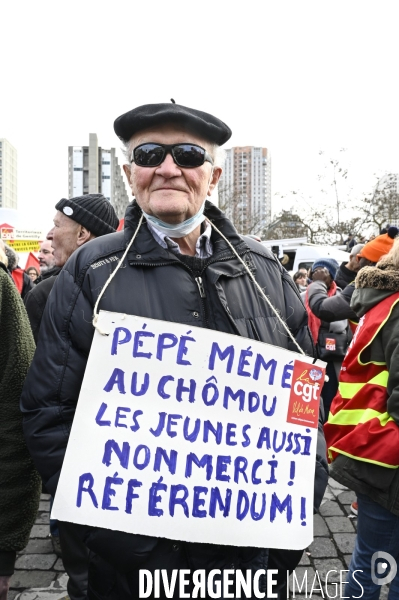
187,156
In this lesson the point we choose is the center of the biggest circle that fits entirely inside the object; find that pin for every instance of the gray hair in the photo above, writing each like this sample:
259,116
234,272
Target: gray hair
217,152
356,249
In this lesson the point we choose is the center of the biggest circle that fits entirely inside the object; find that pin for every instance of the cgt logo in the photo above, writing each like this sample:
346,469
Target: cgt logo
380,561
307,391
303,406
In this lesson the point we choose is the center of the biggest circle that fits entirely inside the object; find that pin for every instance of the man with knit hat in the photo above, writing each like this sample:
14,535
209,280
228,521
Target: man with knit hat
76,222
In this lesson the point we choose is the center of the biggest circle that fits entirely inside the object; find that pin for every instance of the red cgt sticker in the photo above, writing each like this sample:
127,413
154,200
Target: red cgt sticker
330,344
307,381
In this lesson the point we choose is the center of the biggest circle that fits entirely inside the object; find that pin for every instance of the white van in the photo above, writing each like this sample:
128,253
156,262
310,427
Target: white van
303,255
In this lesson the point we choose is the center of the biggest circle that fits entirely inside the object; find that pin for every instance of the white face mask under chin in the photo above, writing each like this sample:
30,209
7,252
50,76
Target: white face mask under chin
180,229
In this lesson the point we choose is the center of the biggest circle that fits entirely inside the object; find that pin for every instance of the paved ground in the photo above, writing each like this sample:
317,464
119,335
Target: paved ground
39,574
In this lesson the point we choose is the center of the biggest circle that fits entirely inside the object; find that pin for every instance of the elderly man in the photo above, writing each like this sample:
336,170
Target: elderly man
77,221
178,268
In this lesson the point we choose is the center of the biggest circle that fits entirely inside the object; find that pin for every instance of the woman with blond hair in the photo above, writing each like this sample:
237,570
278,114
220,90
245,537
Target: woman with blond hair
362,431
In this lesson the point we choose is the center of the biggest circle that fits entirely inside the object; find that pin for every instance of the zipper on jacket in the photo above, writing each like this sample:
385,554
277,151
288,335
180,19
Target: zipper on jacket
199,282
200,285
201,289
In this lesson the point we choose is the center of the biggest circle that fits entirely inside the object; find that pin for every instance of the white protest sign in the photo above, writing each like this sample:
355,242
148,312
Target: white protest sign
193,434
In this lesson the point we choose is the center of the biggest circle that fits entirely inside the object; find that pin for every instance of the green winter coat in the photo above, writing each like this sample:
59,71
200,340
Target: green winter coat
20,484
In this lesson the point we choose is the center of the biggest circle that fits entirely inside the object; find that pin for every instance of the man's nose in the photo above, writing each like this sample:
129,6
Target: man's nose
168,168
49,236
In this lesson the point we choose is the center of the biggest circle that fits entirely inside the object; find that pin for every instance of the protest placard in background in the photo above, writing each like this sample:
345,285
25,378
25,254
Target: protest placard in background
193,434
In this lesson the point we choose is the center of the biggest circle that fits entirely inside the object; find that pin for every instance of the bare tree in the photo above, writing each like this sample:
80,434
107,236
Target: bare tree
328,218
287,224
319,225
237,206
381,207
334,175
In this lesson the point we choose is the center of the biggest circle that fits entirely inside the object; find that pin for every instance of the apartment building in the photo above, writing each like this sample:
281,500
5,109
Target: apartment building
245,188
95,170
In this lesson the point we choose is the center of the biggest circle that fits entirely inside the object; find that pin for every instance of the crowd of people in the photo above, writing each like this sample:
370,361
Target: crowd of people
179,259
352,306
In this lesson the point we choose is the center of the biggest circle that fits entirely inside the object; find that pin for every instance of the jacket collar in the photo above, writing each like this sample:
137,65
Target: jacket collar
47,274
146,249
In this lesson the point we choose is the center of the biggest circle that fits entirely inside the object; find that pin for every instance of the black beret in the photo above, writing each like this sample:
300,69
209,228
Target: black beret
207,126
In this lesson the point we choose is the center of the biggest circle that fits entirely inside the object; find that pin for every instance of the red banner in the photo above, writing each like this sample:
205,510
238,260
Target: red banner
32,261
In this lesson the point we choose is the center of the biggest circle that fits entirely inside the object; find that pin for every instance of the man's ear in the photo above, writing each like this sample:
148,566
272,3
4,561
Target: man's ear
84,235
128,173
216,173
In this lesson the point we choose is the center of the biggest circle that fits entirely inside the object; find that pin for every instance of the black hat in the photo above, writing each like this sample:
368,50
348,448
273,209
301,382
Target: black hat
93,211
207,126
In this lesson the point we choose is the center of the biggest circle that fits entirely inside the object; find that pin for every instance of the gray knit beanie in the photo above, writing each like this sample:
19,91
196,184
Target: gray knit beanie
93,211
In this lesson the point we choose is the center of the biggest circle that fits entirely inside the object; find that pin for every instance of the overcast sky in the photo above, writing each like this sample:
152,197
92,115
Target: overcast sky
296,77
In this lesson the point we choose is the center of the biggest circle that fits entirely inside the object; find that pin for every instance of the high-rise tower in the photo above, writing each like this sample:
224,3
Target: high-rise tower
94,170
244,188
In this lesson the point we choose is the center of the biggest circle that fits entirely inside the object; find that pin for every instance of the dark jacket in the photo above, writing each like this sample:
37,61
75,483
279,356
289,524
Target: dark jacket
333,325
20,484
36,299
154,283
46,274
331,322
344,276
381,484
333,308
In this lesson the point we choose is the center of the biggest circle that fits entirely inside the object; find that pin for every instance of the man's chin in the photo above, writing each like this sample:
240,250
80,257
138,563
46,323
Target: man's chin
169,210
172,217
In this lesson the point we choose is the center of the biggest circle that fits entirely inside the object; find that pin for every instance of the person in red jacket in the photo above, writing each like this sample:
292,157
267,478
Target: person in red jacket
362,431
